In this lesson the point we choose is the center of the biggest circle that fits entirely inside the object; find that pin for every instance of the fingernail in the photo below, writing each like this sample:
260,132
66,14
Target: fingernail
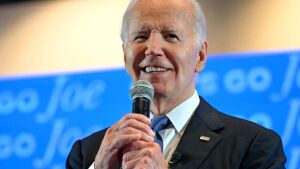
152,133
151,138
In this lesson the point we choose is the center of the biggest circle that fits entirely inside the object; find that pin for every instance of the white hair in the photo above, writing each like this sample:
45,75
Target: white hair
200,24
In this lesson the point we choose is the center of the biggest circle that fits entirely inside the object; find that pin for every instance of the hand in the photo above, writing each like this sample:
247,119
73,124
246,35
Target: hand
131,128
143,155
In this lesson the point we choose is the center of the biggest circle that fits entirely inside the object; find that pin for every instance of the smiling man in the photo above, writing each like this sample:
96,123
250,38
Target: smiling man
164,43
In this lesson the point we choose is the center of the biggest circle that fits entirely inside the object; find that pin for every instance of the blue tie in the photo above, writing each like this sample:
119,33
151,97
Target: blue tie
159,123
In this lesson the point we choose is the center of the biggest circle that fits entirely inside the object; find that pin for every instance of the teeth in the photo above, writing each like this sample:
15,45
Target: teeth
155,69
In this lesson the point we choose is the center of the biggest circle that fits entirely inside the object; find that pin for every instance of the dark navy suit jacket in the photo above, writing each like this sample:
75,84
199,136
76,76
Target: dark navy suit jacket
234,144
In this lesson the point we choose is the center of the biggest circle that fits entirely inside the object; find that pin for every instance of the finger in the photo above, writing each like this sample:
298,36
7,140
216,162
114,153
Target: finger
149,157
123,140
148,151
132,121
131,130
136,145
137,125
131,156
138,117
137,163
115,140
143,165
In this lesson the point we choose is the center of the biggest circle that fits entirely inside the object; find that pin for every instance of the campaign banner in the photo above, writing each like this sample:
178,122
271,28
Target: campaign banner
41,116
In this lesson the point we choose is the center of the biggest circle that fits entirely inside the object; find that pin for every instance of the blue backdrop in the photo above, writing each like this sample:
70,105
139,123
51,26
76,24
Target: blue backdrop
42,116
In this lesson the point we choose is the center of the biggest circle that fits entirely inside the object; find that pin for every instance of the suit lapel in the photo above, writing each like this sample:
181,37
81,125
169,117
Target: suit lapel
192,148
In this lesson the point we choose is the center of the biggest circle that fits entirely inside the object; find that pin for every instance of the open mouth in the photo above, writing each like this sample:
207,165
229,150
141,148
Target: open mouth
154,69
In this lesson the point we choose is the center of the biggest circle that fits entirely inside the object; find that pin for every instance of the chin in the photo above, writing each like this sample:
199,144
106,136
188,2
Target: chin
159,90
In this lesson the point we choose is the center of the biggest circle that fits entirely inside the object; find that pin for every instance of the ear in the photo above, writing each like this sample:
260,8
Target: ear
201,58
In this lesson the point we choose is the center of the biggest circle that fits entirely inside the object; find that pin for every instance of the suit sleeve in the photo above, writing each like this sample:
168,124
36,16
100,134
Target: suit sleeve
75,159
265,152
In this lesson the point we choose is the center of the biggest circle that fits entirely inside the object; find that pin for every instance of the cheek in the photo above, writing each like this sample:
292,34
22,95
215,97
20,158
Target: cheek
134,56
187,66
129,58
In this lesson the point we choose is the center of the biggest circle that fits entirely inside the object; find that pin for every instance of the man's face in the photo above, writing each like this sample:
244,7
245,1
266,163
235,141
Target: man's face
161,47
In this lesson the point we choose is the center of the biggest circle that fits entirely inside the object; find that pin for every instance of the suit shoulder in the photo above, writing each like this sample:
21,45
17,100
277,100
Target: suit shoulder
90,146
94,139
231,126
236,121
83,151
246,127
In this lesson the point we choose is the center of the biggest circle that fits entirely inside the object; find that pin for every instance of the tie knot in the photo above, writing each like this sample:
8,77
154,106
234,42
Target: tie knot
159,123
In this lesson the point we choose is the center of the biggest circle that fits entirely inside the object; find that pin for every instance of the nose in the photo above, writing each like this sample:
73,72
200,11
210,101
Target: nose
154,45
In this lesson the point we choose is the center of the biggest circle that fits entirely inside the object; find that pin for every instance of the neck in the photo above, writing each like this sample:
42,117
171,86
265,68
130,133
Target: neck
161,105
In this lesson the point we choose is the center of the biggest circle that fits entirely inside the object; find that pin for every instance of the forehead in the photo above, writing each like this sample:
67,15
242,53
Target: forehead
165,14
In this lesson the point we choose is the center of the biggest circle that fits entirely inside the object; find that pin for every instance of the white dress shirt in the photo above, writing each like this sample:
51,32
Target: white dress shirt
179,116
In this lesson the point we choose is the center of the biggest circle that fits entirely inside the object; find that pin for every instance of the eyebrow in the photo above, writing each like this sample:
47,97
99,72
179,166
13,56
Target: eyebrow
140,29
172,30
144,29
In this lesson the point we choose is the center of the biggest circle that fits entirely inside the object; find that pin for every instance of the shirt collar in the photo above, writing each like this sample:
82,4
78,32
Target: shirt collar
180,115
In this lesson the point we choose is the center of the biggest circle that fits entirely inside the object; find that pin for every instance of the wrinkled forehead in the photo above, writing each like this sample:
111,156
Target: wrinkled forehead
162,6
161,12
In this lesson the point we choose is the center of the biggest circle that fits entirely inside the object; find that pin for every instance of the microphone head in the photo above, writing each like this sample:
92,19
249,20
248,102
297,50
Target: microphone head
142,88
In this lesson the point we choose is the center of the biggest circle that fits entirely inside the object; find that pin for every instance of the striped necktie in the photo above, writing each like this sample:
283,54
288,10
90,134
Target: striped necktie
159,123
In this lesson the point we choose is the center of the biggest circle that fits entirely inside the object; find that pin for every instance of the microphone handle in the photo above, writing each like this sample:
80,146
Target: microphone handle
141,105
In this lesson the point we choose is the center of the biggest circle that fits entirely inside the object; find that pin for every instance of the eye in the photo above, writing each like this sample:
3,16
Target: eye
171,37
140,38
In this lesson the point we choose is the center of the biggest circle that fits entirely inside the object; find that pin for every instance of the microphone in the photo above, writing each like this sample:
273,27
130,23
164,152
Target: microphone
174,159
141,93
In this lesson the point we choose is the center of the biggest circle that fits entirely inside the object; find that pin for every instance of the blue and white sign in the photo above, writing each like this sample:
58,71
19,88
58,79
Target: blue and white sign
42,116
